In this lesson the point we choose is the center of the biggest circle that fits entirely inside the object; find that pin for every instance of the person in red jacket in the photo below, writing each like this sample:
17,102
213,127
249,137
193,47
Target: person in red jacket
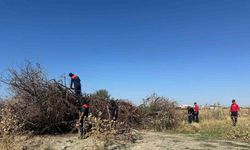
196,112
84,113
234,109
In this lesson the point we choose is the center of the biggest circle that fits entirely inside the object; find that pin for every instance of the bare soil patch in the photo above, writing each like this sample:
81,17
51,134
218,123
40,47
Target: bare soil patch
150,140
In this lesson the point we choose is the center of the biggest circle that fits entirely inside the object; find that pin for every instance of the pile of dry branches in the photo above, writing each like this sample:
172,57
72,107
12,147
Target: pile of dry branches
40,105
128,113
160,113
43,106
102,128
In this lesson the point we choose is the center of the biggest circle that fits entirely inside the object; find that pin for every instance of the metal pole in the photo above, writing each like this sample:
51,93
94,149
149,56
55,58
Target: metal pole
64,80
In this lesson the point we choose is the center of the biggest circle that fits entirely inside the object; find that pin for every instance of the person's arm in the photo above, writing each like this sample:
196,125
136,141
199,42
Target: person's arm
238,110
115,112
71,83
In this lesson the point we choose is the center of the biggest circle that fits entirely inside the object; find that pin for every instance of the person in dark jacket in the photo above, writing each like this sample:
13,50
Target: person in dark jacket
190,114
234,109
114,110
84,113
75,80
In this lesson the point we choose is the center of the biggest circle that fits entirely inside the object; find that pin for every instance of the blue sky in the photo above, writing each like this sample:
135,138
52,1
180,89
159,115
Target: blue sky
188,50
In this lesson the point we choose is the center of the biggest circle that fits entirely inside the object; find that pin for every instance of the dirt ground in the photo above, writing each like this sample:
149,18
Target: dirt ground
163,141
150,141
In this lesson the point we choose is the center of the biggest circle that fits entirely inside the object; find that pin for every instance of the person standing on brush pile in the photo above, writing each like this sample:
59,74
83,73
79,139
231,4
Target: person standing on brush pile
234,112
77,84
190,114
196,112
84,113
75,80
114,110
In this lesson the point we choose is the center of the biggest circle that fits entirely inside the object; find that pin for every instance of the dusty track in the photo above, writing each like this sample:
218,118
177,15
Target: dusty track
163,141
150,141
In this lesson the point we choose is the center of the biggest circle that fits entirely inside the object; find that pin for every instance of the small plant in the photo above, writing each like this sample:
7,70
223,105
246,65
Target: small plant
6,142
48,147
109,144
102,94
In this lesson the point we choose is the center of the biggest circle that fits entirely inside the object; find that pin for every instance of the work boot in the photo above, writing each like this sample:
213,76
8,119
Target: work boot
234,123
81,135
81,131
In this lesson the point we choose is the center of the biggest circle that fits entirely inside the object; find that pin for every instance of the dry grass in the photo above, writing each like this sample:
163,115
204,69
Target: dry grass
6,142
217,124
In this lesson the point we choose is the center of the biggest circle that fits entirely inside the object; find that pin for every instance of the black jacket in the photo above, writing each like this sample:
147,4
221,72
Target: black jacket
76,81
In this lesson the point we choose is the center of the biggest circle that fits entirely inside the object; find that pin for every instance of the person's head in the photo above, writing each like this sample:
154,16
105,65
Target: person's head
233,101
112,102
71,74
195,103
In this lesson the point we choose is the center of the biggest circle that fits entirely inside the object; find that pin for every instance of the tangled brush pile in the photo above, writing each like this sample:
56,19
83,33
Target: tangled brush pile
43,106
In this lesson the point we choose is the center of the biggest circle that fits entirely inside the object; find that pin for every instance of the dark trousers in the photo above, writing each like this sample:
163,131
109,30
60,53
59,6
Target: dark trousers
81,126
78,90
85,112
114,115
234,116
78,94
190,118
196,117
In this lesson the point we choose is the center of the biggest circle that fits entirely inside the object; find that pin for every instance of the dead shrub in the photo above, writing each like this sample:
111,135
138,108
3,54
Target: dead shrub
160,113
39,105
